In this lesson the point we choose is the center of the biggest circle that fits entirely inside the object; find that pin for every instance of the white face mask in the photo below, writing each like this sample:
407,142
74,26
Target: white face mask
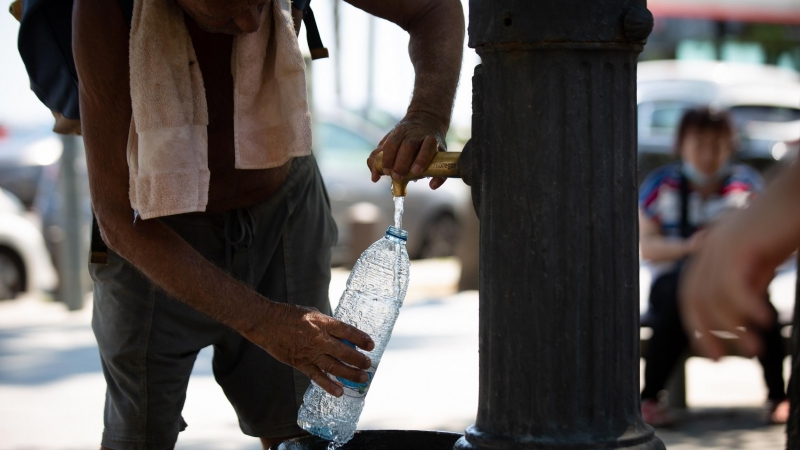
694,175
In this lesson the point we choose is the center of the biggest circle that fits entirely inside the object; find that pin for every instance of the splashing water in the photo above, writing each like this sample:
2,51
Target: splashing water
333,445
398,212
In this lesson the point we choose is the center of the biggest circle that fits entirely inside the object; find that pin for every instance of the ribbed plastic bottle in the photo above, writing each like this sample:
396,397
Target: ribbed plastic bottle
371,302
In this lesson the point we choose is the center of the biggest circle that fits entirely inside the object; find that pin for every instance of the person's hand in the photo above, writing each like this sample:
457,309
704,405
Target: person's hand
310,341
724,289
410,146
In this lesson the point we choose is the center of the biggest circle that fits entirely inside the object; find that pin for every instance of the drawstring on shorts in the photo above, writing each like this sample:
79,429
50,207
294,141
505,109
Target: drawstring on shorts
238,233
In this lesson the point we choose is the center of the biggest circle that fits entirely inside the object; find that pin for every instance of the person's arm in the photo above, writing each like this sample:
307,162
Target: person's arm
436,29
301,337
656,247
723,288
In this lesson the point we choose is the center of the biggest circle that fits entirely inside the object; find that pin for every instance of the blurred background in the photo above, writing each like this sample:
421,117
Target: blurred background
742,56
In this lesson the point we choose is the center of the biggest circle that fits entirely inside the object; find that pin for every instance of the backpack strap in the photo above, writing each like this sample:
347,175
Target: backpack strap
315,45
127,10
685,228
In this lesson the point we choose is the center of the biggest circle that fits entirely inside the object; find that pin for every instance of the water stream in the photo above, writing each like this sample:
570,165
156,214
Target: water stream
398,212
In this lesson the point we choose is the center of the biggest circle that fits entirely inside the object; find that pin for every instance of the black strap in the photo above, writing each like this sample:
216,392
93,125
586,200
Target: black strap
127,10
686,229
315,46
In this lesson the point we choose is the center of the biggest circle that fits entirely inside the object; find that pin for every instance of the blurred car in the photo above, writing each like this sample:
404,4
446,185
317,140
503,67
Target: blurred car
764,103
25,265
342,144
24,153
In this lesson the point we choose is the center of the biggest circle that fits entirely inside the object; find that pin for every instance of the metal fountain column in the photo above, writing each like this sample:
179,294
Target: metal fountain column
554,134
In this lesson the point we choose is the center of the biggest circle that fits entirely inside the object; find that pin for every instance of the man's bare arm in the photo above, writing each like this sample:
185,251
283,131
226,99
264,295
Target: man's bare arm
436,28
301,337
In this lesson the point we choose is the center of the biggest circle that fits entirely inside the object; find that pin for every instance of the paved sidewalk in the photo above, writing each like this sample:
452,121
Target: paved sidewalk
52,388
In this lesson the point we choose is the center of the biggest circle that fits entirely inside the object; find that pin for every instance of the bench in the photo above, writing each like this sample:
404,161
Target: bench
676,383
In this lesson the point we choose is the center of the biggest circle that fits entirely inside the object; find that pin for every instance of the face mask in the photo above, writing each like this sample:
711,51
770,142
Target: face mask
694,175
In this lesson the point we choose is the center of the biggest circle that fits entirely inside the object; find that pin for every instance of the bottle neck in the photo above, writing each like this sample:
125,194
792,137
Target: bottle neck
397,235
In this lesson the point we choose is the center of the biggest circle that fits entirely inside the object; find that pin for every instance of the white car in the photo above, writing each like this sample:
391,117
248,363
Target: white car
763,101
431,217
25,264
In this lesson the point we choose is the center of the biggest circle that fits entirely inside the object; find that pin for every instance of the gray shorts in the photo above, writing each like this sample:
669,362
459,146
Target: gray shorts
148,341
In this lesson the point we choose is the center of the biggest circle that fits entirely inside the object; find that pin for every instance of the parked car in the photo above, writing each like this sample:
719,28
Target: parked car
764,103
25,265
24,154
342,144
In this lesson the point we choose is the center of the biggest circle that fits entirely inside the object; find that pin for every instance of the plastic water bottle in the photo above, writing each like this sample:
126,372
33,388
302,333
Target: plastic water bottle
371,302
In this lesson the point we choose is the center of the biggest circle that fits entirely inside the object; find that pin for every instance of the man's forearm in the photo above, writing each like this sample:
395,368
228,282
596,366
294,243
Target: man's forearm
436,49
177,268
436,28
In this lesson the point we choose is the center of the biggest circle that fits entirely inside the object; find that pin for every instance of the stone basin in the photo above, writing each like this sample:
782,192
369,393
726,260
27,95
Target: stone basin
380,440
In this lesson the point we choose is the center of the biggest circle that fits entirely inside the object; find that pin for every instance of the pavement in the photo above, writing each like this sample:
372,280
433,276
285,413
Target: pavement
52,387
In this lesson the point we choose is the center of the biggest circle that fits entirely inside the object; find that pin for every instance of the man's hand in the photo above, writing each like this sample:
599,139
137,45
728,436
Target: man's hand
410,145
436,29
311,342
724,287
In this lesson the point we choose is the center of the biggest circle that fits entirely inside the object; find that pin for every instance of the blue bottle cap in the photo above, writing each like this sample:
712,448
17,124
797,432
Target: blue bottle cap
398,233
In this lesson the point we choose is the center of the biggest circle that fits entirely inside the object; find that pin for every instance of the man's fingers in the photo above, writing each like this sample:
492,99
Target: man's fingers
337,369
371,164
696,318
426,153
352,334
322,380
749,343
755,308
405,156
389,146
347,353
437,182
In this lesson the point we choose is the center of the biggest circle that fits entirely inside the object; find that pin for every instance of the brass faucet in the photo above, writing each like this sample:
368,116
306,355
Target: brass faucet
444,165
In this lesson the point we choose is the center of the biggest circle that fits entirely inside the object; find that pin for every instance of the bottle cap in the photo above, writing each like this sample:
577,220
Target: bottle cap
398,233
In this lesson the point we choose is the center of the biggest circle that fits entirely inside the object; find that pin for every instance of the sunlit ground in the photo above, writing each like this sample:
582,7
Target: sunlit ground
51,386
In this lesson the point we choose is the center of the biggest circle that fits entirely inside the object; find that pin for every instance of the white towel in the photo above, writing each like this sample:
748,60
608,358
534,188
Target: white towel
168,141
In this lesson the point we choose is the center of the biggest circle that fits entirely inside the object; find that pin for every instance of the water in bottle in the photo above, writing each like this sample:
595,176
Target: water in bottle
371,302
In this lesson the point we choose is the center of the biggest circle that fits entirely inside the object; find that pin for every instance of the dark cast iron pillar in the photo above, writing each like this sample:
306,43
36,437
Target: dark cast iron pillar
555,134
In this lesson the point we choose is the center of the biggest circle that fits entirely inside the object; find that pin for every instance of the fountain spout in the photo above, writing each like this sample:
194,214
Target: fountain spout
444,164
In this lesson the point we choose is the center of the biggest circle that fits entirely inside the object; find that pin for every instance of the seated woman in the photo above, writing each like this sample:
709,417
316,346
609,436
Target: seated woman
676,203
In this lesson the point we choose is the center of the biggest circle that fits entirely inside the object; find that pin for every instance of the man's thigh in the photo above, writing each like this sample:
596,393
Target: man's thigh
148,343
265,393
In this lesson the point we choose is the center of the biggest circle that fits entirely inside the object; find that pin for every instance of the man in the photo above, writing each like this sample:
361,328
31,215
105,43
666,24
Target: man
247,275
